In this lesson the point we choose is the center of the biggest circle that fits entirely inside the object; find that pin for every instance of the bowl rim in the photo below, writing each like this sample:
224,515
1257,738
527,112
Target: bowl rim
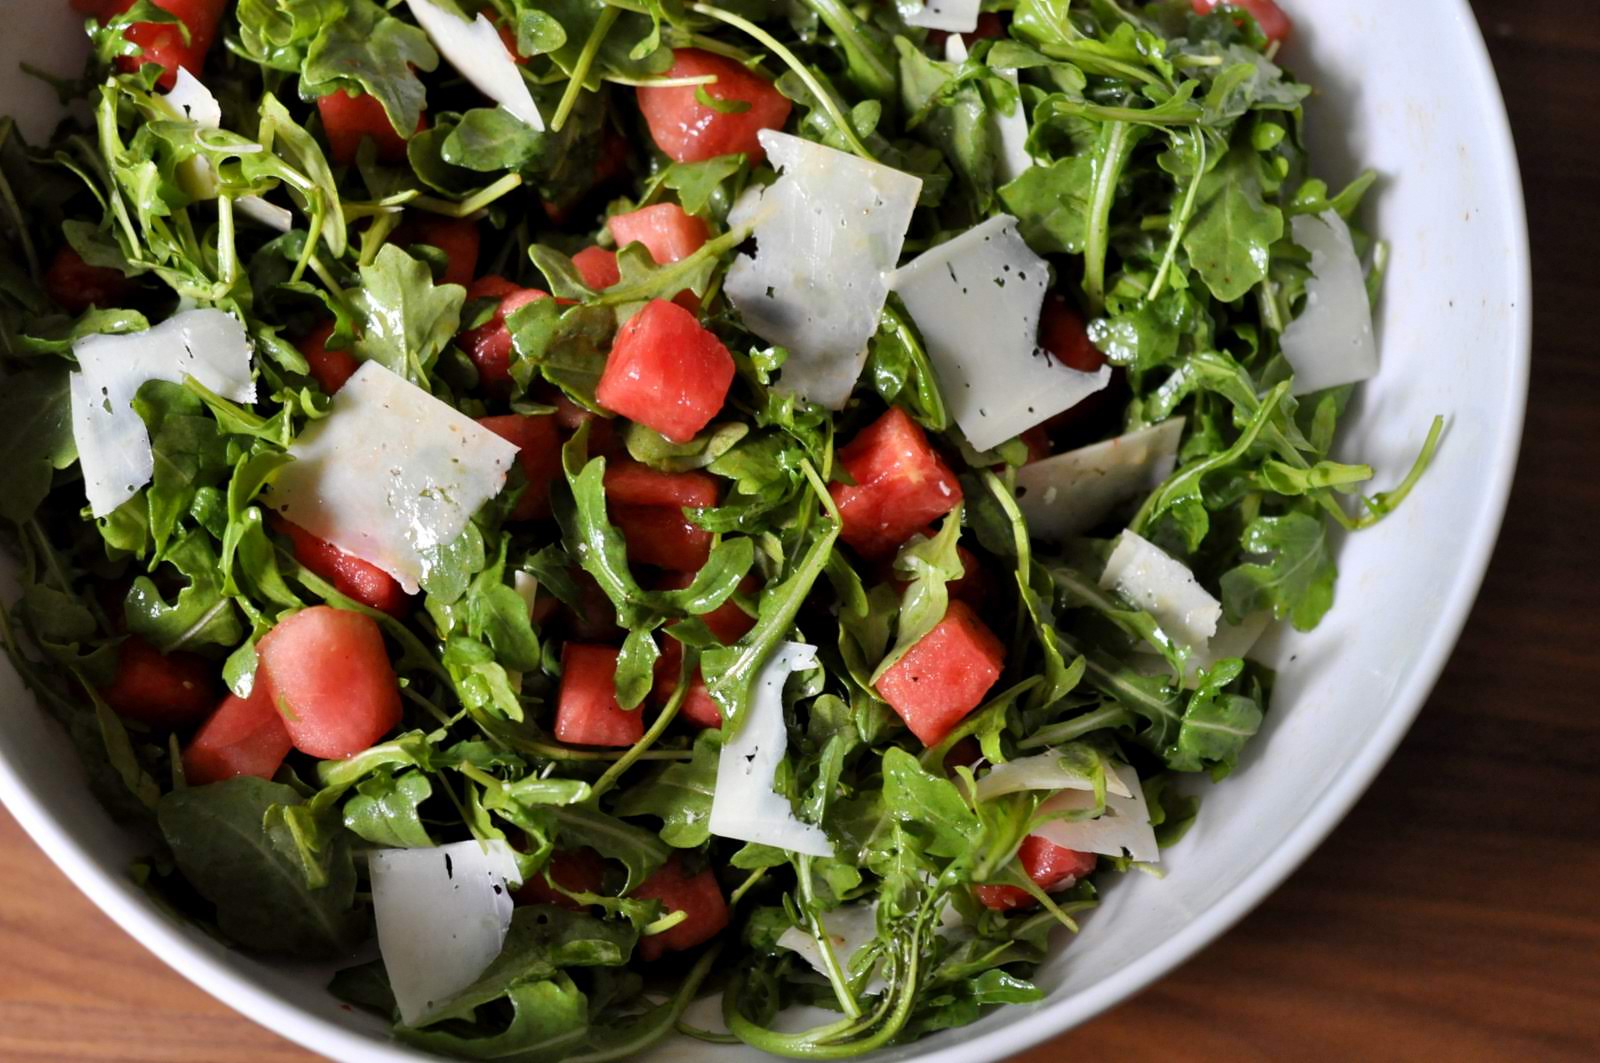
174,945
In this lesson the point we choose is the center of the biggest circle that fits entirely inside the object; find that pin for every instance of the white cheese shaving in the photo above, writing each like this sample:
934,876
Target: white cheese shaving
976,300
954,16
113,442
526,586
1010,130
1067,494
1125,824
195,101
744,805
269,214
1162,586
849,929
1331,342
1043,771
442,915
828,234
479,55
390,473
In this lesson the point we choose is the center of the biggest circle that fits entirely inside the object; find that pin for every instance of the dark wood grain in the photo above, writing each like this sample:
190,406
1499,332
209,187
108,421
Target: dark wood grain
1454,916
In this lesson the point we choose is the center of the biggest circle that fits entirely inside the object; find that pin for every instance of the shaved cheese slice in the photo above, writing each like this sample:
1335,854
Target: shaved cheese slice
954,16
976,301
195,100
744,805
828,234
1043,771
269,214
1331,342
113,442
196,103
1162,586
1010,130
442,915
849,929
1125,824
479,55
526,586
1067,494
390,473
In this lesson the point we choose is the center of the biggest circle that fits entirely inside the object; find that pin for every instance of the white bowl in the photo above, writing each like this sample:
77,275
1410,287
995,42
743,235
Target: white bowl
1406,88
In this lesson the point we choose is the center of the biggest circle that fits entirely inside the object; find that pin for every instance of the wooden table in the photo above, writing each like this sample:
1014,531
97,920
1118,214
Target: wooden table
1454,916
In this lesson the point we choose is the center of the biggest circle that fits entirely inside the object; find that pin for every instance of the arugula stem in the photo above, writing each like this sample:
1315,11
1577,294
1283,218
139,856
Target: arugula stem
1180,223
746,886
1097,240
580,69
830,962
801,70
1188,478
1384,503
473,203
637,750
1104,718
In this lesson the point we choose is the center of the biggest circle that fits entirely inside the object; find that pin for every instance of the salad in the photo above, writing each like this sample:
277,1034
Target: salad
565,508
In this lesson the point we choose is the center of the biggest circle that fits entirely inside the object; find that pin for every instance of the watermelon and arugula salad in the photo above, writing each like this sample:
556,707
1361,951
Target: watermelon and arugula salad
621,502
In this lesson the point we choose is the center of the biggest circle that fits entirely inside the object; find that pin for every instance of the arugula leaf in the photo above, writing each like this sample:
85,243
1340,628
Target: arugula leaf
35,439
1295,576
384,810
1216,724
358,44
217,837
679,795
1230,239
930,564
200,615
406,320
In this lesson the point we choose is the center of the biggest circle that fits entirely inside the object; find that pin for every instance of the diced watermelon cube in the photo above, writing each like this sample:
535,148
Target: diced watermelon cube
631,483
662,536
348,120
697,895
538,455
75,285
668,232
598,267
575,870
587,713
489,345
686,130
1051,866
458,238
647,507
163,43
666,372
901,485
698,707
350,576
330,369
1064,335
329,676
944,675
161,690
244,736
